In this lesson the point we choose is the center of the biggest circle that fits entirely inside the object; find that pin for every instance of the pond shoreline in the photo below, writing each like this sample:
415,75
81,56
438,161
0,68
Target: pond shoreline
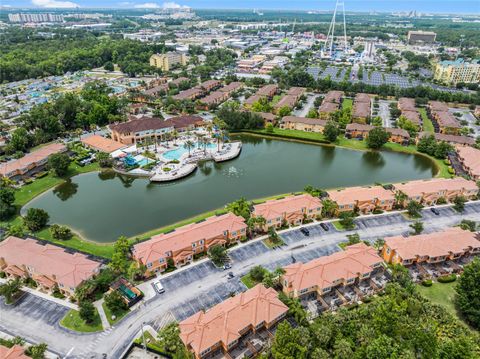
104,249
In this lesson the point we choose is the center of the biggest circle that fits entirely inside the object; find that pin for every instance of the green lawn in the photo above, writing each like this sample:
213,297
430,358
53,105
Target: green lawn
442,294
108,314
270,244
427,123
248,281
339,226
72,321
347,103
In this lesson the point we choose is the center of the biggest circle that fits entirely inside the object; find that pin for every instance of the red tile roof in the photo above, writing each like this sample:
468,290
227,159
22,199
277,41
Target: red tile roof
15,352
48,260
224,322
102,144
350,195
276,208
356,260
471,159
434,185
452,240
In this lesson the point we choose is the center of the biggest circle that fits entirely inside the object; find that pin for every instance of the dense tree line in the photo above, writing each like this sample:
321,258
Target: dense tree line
46,122
34,57
399,324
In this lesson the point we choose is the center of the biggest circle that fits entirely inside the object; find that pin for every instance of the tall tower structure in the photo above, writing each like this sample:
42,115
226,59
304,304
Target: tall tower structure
328,44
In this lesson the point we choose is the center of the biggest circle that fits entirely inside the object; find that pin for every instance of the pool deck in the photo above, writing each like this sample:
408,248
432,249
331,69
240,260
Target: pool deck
228,152
183,171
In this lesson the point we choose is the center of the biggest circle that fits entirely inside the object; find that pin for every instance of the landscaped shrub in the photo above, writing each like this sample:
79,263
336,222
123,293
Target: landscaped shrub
41,174
442,200
377,211
427,283
2,275
447,278
451,170
28,181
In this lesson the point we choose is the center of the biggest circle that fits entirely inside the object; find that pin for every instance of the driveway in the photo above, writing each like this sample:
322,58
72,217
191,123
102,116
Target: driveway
201,285
303,112
384,112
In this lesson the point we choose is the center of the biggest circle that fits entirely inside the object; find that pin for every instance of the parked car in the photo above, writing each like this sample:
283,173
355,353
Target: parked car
227,266
305,231
324,226
435,211
230,275
158,287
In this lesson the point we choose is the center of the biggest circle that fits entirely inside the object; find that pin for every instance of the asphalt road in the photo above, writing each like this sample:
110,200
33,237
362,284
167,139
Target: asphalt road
199,286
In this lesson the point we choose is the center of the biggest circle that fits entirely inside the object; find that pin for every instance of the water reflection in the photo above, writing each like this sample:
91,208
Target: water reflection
66,190
106,175
422,163
327,155
205,167
127,181
373,159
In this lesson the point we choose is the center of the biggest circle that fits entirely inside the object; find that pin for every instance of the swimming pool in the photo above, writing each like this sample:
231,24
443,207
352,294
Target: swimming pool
177,153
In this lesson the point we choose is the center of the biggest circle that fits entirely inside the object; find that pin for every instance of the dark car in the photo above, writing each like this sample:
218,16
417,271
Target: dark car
324,226
305,231
230,275
435,211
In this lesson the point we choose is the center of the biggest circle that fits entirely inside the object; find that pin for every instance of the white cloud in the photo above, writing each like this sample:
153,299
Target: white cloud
147,5
173,5
54,4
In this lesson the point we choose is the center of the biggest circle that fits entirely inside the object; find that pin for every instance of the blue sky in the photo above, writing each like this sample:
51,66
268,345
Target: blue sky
438,6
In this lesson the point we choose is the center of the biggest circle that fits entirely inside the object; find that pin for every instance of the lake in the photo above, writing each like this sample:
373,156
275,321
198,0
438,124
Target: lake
103,206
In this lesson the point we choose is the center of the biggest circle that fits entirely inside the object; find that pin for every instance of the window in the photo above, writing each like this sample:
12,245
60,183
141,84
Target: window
234,233
161,260
194,245
201,241
225,233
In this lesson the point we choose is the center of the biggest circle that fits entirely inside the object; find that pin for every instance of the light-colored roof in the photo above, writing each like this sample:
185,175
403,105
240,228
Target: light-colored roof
406,104
15,352
183,237
362,97
305,120
351,195
224,321
446,119
291,204
451,240
333,96
324,271
471,158
31,158
434,185
328,107
287,100
68,269
102,144
438,106
267,89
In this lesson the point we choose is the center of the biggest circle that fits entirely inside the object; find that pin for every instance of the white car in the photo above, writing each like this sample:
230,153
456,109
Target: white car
158,287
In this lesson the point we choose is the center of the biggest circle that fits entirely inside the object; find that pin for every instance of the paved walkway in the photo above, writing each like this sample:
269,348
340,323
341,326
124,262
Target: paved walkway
101,312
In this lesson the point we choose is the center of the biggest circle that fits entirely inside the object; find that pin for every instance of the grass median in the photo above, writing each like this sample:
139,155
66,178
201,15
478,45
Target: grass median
72,321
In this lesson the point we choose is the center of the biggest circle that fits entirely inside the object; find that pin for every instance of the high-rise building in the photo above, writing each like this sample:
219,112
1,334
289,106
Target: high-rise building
35,17
166,61
421,37
457,71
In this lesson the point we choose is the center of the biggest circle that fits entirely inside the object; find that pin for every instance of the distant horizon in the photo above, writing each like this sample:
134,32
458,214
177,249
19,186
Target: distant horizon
446,7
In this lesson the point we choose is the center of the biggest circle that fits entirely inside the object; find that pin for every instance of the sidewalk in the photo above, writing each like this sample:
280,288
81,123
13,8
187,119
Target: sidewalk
64,302
98,304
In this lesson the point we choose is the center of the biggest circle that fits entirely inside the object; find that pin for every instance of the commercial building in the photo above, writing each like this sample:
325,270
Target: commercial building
428,192
421,37
50,266
151,129
102,144
30,163
182,244
469,157
291,209
35,17
303,124
336,279
364,199
166,61
450,244
230,324
361,108
453,72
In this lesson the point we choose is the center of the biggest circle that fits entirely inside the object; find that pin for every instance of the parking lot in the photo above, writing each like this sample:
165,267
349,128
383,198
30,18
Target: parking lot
36,309
296,235
248,251
188,275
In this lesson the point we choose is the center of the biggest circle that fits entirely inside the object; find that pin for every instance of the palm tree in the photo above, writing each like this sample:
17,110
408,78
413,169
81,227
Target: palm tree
400,198
328,207
188,145
205,142
174,136
10,289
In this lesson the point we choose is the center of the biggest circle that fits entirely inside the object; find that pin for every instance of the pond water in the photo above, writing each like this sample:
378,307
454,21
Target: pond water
104,206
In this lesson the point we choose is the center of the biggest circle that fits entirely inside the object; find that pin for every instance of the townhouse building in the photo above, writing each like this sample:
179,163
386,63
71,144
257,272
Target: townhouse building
364,199
449,244
15,352
361,131
30,163
327,274
221,95
49,266
331,103
182,244
303,124
445,122
222,328
469,157
267,91
452,139
361,111
428,192
409,111
291,209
